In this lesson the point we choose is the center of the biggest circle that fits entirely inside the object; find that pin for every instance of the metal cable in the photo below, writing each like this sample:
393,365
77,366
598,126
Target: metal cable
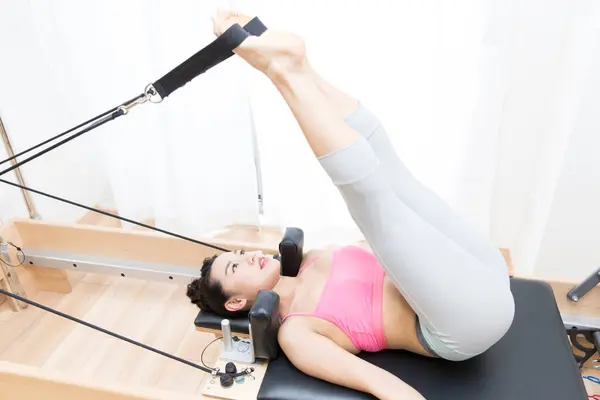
94,125
112,215
70,130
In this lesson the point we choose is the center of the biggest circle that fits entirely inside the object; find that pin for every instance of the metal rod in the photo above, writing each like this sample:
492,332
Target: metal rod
31,209
257,165
110,266
585,286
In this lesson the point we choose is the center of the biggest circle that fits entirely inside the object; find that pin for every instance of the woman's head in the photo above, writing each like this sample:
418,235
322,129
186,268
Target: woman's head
229,282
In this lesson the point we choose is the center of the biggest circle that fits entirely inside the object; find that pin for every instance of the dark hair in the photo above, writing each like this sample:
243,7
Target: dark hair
209,295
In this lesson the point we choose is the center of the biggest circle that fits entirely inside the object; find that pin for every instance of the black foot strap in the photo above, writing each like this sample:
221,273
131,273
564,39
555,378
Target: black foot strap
215,53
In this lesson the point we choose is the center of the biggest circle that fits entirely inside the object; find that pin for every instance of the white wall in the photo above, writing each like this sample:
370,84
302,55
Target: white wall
570,246
545,125
41,97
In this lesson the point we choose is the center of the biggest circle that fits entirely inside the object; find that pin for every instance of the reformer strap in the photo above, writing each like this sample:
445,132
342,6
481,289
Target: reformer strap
216,52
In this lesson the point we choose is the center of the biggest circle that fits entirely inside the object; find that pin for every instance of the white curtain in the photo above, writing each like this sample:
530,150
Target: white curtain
186,163
493,104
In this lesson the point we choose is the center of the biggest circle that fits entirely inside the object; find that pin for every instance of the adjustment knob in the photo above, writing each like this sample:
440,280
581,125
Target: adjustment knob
230,368
226,380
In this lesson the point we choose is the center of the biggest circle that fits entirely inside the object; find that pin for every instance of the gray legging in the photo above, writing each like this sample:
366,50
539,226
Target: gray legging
453,278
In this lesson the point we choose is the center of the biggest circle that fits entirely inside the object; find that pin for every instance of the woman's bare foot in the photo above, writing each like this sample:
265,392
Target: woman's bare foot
274,52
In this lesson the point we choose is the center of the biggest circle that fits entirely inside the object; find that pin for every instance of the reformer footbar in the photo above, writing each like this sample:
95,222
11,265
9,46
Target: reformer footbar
213,54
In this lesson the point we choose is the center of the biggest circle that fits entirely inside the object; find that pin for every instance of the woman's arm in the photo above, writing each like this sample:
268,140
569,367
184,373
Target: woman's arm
318,356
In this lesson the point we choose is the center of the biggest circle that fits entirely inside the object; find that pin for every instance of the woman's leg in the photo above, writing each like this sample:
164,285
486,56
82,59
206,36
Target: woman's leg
464,304
426,203
446,270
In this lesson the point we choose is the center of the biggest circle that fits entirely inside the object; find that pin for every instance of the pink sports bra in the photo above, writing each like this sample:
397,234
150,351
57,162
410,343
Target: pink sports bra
352,297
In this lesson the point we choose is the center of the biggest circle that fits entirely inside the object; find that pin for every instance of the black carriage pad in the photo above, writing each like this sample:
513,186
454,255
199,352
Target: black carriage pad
533,361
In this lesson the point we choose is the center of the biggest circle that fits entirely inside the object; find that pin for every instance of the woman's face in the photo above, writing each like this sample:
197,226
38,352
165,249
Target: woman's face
242,274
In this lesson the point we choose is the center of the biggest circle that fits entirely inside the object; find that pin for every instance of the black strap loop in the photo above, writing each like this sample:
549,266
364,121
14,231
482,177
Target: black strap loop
255,27
216,52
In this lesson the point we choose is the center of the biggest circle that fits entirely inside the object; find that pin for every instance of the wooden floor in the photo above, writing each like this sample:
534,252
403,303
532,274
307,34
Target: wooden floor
155,314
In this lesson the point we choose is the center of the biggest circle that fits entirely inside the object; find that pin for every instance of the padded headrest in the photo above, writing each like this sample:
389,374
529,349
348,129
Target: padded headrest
291,251
213,321
264,312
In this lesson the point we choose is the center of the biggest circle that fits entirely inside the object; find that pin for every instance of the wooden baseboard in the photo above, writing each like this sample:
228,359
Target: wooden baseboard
26,382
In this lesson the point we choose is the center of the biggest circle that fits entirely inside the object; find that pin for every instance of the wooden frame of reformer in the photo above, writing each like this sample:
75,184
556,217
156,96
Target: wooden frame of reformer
51,249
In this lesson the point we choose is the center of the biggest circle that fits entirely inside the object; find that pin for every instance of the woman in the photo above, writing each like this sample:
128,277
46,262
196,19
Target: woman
429,284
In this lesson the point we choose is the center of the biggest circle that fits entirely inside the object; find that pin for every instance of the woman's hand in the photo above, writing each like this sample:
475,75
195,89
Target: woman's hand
395,389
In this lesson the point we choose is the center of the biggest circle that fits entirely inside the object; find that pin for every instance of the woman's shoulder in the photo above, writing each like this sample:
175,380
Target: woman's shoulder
293,328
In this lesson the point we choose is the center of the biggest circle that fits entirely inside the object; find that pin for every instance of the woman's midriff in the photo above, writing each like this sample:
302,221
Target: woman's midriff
399,321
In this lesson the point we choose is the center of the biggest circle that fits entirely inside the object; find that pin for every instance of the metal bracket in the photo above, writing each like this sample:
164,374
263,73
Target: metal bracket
241,350
584,287
584,334
111,266
12,280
